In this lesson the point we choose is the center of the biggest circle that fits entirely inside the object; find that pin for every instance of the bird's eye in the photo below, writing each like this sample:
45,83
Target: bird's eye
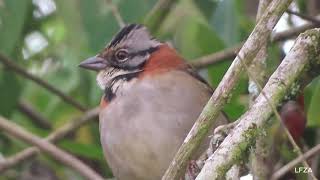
122,55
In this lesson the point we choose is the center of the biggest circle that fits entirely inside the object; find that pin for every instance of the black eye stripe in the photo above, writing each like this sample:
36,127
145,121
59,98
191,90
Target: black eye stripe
130,62
143,52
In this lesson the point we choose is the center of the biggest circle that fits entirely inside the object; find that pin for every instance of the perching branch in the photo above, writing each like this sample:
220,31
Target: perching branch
302,56
230,53
19,70
116,13
258,37
60,155
53,137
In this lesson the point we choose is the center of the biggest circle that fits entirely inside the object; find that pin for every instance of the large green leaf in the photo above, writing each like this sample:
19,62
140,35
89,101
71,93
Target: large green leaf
10,89
206,7
98,23
225,21
12,16
195,38
135,11
312,99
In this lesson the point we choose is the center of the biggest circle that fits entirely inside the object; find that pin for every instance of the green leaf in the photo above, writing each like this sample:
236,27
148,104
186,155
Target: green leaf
195,38
98,23
225,22
135,11
206,7
312,99
10,89
12,16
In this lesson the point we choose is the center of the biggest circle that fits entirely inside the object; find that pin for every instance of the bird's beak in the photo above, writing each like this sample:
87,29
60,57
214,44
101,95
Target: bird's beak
94,63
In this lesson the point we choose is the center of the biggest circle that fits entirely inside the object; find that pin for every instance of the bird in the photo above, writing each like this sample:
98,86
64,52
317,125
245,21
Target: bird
151,99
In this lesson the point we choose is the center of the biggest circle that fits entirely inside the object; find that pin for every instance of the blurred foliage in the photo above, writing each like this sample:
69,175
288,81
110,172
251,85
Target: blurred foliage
13,18
50,37
312,98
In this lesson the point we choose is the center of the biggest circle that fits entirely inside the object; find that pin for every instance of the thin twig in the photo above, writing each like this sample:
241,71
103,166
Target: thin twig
116,13
290,33
211,59
19,70
230,53
36,117
60,155
283,170
305,17
53,137
258,37
299,59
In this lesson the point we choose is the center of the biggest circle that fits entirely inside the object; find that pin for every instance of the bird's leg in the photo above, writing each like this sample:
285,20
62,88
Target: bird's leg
220,133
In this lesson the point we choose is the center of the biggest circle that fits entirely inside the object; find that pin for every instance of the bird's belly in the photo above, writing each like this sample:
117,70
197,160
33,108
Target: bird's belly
141,131
145,143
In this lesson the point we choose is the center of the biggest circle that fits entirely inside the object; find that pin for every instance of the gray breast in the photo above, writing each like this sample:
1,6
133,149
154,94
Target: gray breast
142,129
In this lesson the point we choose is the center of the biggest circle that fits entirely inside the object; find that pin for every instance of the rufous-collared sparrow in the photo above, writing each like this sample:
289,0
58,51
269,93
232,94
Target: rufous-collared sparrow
151,99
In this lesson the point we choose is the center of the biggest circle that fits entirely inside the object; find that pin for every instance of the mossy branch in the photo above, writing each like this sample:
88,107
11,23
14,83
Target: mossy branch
304,54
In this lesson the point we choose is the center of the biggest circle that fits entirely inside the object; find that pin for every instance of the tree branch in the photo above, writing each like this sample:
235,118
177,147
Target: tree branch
53,137
231,53
19,70
60,155
36,117
305,17
258,37
303,55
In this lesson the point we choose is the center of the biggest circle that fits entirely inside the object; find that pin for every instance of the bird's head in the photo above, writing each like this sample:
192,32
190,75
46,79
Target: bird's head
124,56
132,52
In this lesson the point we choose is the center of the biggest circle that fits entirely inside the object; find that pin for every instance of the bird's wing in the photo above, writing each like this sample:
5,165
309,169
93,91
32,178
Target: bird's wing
190,70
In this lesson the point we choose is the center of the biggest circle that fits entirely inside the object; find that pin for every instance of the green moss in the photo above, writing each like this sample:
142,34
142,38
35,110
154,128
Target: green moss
237,154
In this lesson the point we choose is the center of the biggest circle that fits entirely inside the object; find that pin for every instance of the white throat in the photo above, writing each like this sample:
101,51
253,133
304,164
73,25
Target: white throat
109,78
